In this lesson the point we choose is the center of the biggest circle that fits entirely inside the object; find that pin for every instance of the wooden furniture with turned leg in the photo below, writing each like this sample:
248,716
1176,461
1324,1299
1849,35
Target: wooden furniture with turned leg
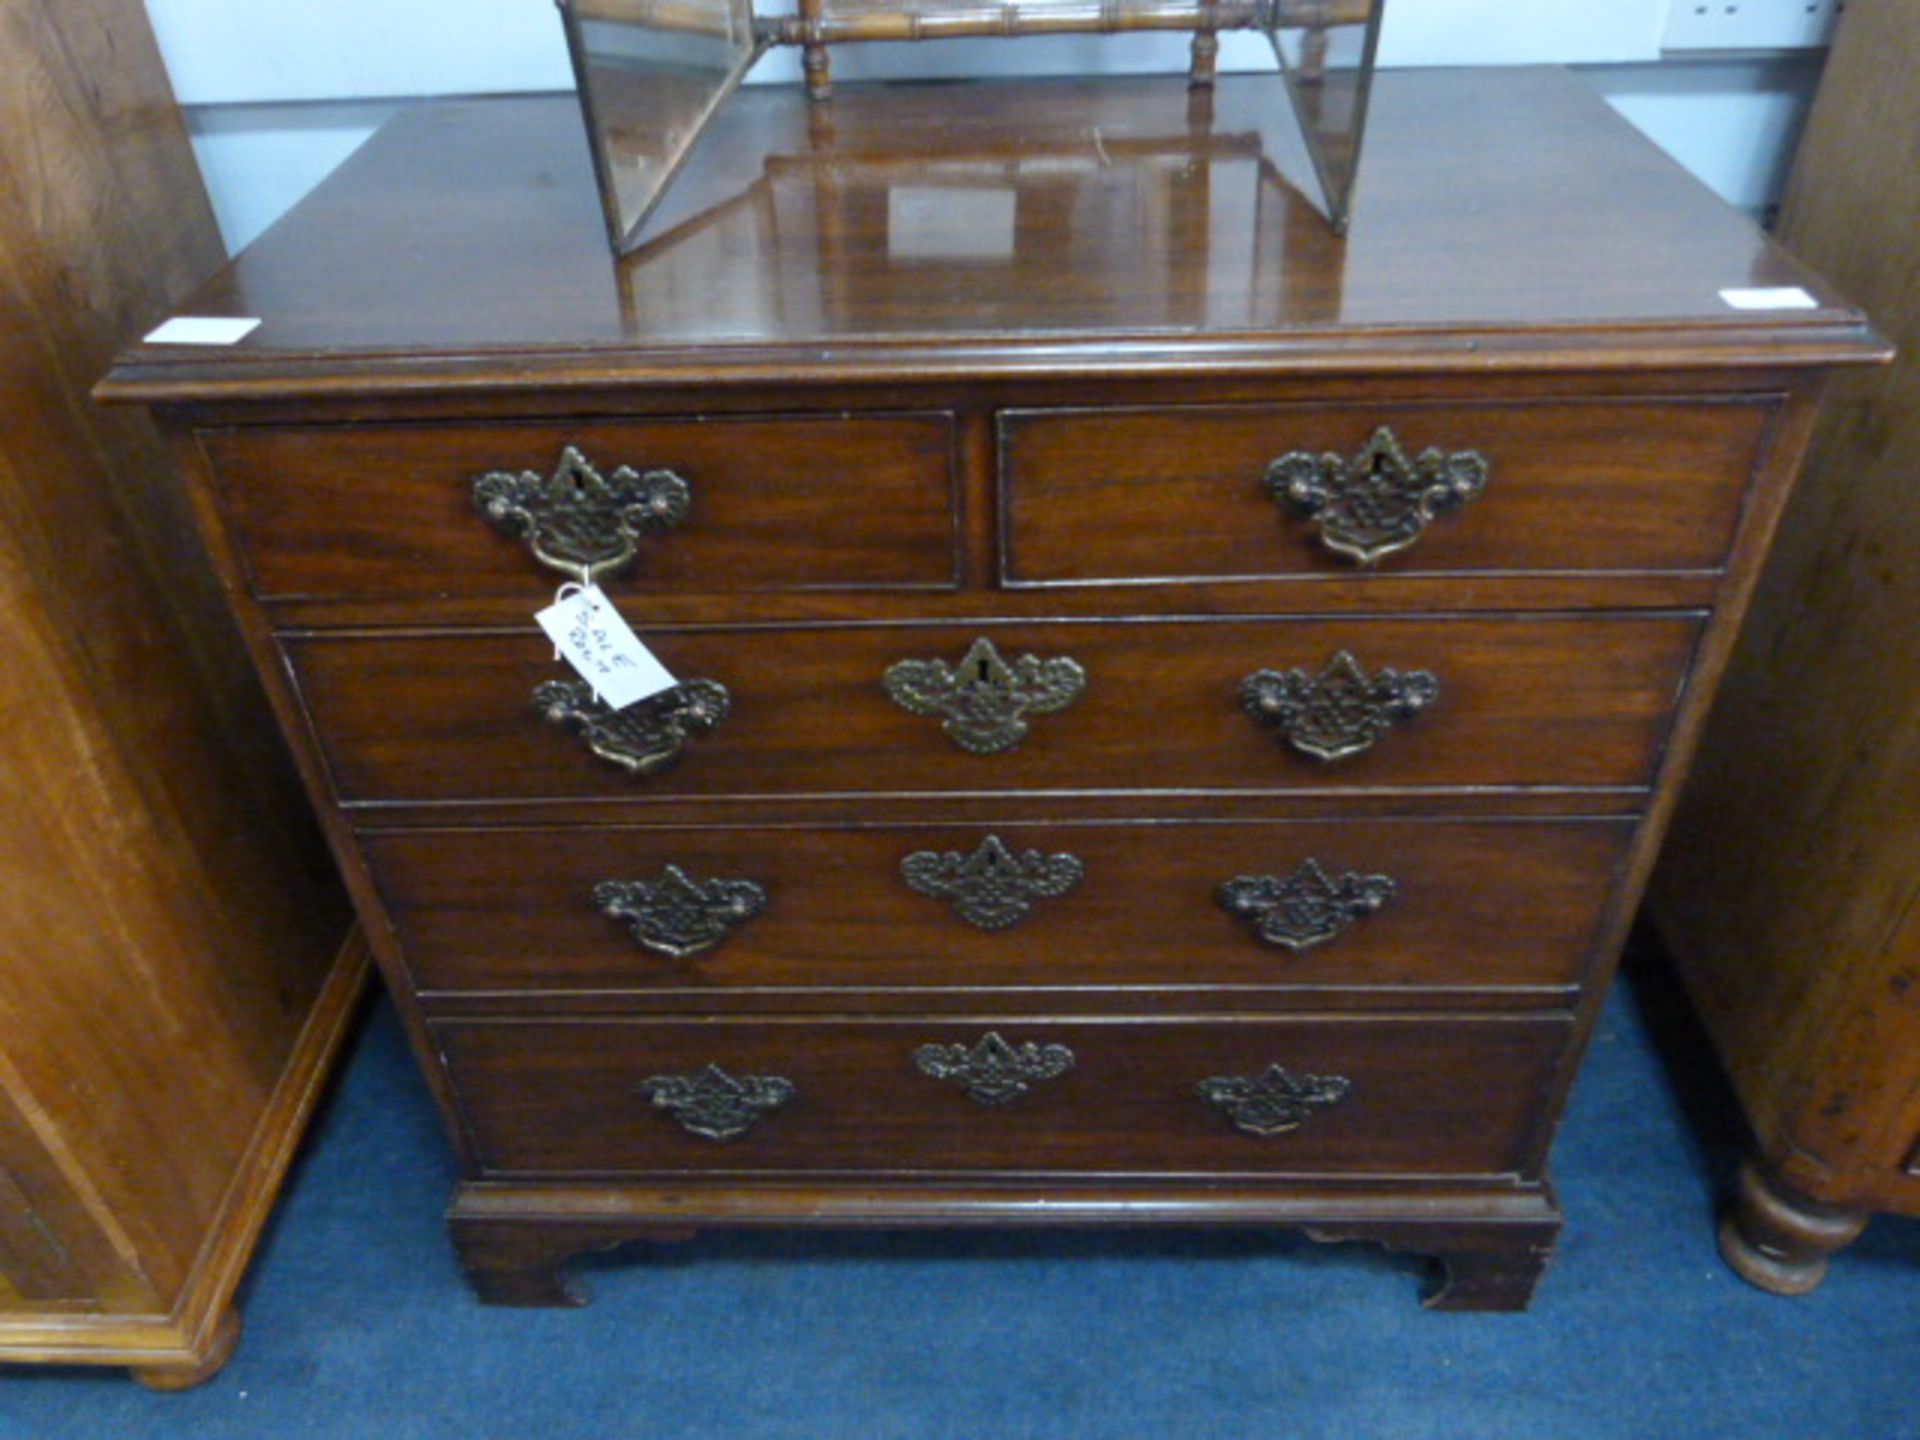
1787,892
172,978
1172,709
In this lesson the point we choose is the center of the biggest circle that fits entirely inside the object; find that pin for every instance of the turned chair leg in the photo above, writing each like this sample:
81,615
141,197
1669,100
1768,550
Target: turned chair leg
813,54
1778,1239
818,69
1203,59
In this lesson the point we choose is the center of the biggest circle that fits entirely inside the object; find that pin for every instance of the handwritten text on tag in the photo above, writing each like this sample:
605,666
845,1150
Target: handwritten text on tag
590,635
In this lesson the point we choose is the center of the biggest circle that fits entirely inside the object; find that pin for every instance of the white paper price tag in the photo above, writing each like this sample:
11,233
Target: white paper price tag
1773,297
590,636
203,330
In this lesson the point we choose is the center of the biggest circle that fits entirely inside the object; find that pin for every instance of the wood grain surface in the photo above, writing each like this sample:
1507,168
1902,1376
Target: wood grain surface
778,503
1172,494
1431,1096
1066,412
1513,223
1475,905
167,918
1571,700
1788,889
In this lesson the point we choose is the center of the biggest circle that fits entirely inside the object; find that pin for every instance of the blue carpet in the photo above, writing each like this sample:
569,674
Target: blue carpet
359,1323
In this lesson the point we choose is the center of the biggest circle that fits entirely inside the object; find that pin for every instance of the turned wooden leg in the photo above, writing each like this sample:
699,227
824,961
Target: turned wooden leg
818,69
1204,59
1778,1239
524,1264
226,1335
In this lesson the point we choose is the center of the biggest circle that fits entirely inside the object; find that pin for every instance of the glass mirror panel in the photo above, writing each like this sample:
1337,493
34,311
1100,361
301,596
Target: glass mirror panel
1326,49
1198,203
651,74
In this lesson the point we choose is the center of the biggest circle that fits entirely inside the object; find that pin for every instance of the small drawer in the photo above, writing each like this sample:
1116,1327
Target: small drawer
388,511
1438,905
1390,1096
1185,493
1568,701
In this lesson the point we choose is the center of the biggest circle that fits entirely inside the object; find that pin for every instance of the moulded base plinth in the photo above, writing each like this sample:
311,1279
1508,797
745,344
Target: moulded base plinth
515,1239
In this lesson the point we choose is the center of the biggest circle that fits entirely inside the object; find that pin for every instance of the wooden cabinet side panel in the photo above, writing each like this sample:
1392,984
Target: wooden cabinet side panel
1789,890
61,1251
167,917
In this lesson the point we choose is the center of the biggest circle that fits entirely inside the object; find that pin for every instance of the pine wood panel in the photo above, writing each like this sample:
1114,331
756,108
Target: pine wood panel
167,922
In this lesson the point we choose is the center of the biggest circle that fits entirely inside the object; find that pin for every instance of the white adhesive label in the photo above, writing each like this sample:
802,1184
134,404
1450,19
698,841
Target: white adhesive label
203,330
590,636
1779,297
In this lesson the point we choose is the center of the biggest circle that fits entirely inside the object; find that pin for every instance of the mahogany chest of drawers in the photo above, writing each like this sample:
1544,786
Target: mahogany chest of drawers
1173,708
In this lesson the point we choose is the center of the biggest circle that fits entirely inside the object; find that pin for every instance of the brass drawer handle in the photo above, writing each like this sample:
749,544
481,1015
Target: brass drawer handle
676,914
578,522
1378,501
1305,908
715,1105
992,1072
1341,711
985,700
1273,1101
648,735
992,888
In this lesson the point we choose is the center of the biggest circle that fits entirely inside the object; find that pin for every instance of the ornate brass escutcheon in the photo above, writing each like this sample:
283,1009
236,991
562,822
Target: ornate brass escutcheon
1306,908
1379,501
985,700
1273,1101
715,1105
992,888
578,522
1341,711
992,1072
676,914
645,737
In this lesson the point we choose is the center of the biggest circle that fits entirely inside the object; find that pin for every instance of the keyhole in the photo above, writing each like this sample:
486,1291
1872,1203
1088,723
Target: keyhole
983,673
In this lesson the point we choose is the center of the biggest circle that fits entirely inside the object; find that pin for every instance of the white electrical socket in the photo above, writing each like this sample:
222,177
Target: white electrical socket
1751,24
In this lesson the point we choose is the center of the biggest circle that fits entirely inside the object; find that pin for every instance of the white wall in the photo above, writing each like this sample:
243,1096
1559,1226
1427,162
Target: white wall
221,52
278,92
227,51
1732,122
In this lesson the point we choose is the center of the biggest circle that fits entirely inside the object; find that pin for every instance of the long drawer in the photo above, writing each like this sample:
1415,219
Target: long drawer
1373,1097
1578,700
388,510
1184,492
1350,904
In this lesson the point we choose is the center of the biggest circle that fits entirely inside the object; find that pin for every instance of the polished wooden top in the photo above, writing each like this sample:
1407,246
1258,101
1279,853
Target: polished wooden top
1502,217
